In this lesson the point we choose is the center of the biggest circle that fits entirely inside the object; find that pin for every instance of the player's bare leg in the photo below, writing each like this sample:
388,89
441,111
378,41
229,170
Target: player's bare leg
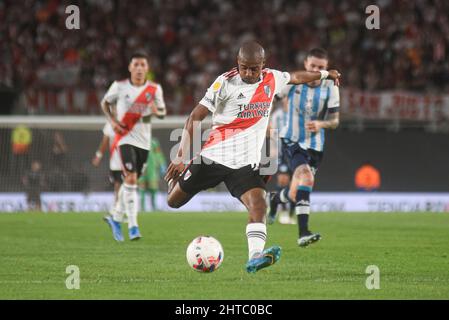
300,188
176,197
256,232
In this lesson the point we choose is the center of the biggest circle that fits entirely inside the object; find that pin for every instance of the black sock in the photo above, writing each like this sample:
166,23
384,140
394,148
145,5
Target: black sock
303,224
302,209
277,196
291,207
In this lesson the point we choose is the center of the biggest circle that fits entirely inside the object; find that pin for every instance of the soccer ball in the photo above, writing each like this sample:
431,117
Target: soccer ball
205,254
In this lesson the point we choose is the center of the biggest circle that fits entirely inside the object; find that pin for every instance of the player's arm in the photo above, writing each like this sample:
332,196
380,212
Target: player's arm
158,106
332,116
332,122
100,151
192,123
109,99
117,126
300,77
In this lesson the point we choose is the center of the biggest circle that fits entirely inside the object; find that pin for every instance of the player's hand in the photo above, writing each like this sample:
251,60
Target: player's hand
174,169
153,108
313,126
96,161
334,75
118,127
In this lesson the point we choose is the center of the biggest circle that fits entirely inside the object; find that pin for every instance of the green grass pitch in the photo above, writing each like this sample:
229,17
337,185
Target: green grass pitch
411,251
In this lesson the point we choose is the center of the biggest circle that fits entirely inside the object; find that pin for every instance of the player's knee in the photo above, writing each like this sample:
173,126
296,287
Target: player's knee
307,180
172,203
304,176
131,179
174,200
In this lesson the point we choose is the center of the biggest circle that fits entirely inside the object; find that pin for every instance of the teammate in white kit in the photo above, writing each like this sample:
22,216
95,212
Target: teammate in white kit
115,168
313,107
136,100
240,102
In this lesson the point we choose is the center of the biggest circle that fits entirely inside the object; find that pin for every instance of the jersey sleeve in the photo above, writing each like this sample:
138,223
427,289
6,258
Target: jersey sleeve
282,80
334,98
159,100
107,130
285,91
111,95
215,94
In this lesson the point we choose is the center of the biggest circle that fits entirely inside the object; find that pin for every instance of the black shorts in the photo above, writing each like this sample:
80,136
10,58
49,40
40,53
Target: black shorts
296,156
202,176
115,176
133,158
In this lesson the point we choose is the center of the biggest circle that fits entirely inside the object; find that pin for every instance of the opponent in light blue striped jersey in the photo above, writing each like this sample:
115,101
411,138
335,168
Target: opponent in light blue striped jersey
278,122
308,105
312,108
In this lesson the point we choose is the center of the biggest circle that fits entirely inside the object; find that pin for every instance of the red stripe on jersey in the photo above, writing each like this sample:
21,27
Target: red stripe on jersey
130,118
226,131
231,73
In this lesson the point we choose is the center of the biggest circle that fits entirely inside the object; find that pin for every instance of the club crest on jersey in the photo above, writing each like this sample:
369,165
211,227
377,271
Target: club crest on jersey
267,90
148,96
187,175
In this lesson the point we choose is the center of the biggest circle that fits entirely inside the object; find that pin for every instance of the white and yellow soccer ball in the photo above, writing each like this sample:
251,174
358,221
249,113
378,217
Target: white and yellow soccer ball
205,254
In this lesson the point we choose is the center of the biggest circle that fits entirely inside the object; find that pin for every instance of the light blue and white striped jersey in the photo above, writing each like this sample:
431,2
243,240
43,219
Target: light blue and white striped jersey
279,119
305,104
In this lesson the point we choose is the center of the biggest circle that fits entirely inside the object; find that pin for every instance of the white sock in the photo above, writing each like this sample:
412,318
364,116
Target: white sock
118,211
257,235
131,203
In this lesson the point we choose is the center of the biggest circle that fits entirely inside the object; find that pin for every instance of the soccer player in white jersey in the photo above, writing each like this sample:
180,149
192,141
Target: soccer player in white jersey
136,100
313,108
115,167
240,102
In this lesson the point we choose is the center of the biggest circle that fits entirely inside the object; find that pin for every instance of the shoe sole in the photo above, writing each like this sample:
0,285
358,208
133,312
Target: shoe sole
314,239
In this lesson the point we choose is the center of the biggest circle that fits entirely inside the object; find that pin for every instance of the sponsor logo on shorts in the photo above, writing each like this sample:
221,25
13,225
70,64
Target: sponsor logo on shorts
129,165
187,175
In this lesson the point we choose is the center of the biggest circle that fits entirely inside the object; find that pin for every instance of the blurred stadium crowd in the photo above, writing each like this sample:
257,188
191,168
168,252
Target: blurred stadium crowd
192,41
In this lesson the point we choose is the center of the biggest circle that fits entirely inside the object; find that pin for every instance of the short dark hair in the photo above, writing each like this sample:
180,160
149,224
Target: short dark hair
139,55
318,53
251,50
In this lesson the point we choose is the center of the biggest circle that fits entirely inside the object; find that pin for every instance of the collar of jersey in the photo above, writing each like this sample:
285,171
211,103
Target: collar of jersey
134,86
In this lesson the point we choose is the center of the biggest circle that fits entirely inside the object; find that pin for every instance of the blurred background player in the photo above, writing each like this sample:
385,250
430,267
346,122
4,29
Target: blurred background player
115,168
34,182
240,101
136,99
149,180
312,108
278,121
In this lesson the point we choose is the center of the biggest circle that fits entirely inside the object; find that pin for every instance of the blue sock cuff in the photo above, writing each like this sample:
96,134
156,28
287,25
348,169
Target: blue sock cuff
304,188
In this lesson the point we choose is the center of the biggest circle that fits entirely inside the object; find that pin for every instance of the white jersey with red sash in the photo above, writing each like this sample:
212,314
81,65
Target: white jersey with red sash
133,105
240,116
115,164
